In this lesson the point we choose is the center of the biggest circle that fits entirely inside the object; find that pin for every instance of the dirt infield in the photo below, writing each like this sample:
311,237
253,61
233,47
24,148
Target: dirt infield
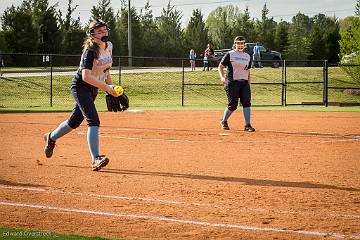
177,175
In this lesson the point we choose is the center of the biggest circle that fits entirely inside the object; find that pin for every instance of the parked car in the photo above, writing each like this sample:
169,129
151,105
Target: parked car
268,57
219,53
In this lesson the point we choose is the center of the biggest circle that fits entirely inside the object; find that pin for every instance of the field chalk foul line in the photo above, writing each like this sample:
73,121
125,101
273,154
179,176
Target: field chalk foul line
180,221
174,202
219,141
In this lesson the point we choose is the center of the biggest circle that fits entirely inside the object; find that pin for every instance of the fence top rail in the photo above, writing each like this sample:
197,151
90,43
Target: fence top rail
79,55
310,60
344,65
172,58
40,54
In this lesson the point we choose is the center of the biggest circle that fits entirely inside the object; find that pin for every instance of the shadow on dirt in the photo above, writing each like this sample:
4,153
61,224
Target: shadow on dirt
15,184
243,181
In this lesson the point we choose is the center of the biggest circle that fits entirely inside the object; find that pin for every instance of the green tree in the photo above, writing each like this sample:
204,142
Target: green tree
105,12
72,34
196,34
3,45
266,28
357,7
220,24
18,30
171,39
350,36
349,44
345,23
150,32
299,44
324,37
45,22
122,31
244,26
281,36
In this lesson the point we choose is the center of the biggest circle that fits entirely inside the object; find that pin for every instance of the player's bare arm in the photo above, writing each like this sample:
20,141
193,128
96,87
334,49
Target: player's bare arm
89,78
108,79
221,73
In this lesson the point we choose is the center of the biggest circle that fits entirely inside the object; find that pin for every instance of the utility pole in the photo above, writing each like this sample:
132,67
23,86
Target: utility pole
129,35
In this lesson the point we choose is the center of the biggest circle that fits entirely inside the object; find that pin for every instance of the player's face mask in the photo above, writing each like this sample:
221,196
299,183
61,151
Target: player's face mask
104,38
99,30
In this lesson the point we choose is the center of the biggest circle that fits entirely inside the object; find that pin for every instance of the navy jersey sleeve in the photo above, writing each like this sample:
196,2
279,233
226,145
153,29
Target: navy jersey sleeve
225,60
87,60
250,63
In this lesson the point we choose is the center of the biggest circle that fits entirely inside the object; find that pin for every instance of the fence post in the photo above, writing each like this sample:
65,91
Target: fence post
283,79
51,80
119,71
182,83
1,64
326,82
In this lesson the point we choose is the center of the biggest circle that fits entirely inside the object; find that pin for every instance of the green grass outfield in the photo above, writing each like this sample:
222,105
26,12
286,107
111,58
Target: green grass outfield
163,90
13,233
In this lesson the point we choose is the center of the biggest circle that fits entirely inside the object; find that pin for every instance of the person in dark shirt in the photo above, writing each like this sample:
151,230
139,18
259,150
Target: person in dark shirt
210,54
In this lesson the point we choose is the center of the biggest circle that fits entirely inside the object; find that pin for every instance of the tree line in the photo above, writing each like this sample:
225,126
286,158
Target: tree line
38,27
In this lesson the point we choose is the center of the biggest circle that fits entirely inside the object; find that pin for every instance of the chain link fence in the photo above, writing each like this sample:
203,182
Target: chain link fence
35,81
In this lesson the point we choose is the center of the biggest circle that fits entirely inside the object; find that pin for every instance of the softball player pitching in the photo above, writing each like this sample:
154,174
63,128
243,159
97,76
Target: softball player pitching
236,83
93,73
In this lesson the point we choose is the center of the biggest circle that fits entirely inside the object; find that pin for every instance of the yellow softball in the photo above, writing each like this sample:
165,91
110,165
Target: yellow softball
119,90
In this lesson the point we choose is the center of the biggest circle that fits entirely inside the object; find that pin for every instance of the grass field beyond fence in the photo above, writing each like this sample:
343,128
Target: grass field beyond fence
163,90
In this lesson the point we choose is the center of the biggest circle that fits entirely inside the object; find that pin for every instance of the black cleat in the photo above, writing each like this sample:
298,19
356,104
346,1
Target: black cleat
224,125
249,128
49,145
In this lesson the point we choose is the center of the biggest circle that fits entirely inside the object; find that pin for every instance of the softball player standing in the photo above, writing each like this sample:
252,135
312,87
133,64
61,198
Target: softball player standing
236,83
93,73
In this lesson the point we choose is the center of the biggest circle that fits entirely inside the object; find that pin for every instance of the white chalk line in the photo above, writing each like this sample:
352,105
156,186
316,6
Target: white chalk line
210,130
173,202
332,137
181,221
215,131
312,133
107,196
218,141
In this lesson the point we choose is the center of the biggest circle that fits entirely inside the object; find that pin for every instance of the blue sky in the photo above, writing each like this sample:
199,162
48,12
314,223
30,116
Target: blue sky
279,9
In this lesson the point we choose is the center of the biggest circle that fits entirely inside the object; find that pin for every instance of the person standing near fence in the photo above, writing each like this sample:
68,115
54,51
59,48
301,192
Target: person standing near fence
1,65
205,62
236,83
256,56
192,57
210,54
93,73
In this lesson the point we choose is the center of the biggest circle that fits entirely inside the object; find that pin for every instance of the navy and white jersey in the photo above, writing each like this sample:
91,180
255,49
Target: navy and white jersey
99,67
238,65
